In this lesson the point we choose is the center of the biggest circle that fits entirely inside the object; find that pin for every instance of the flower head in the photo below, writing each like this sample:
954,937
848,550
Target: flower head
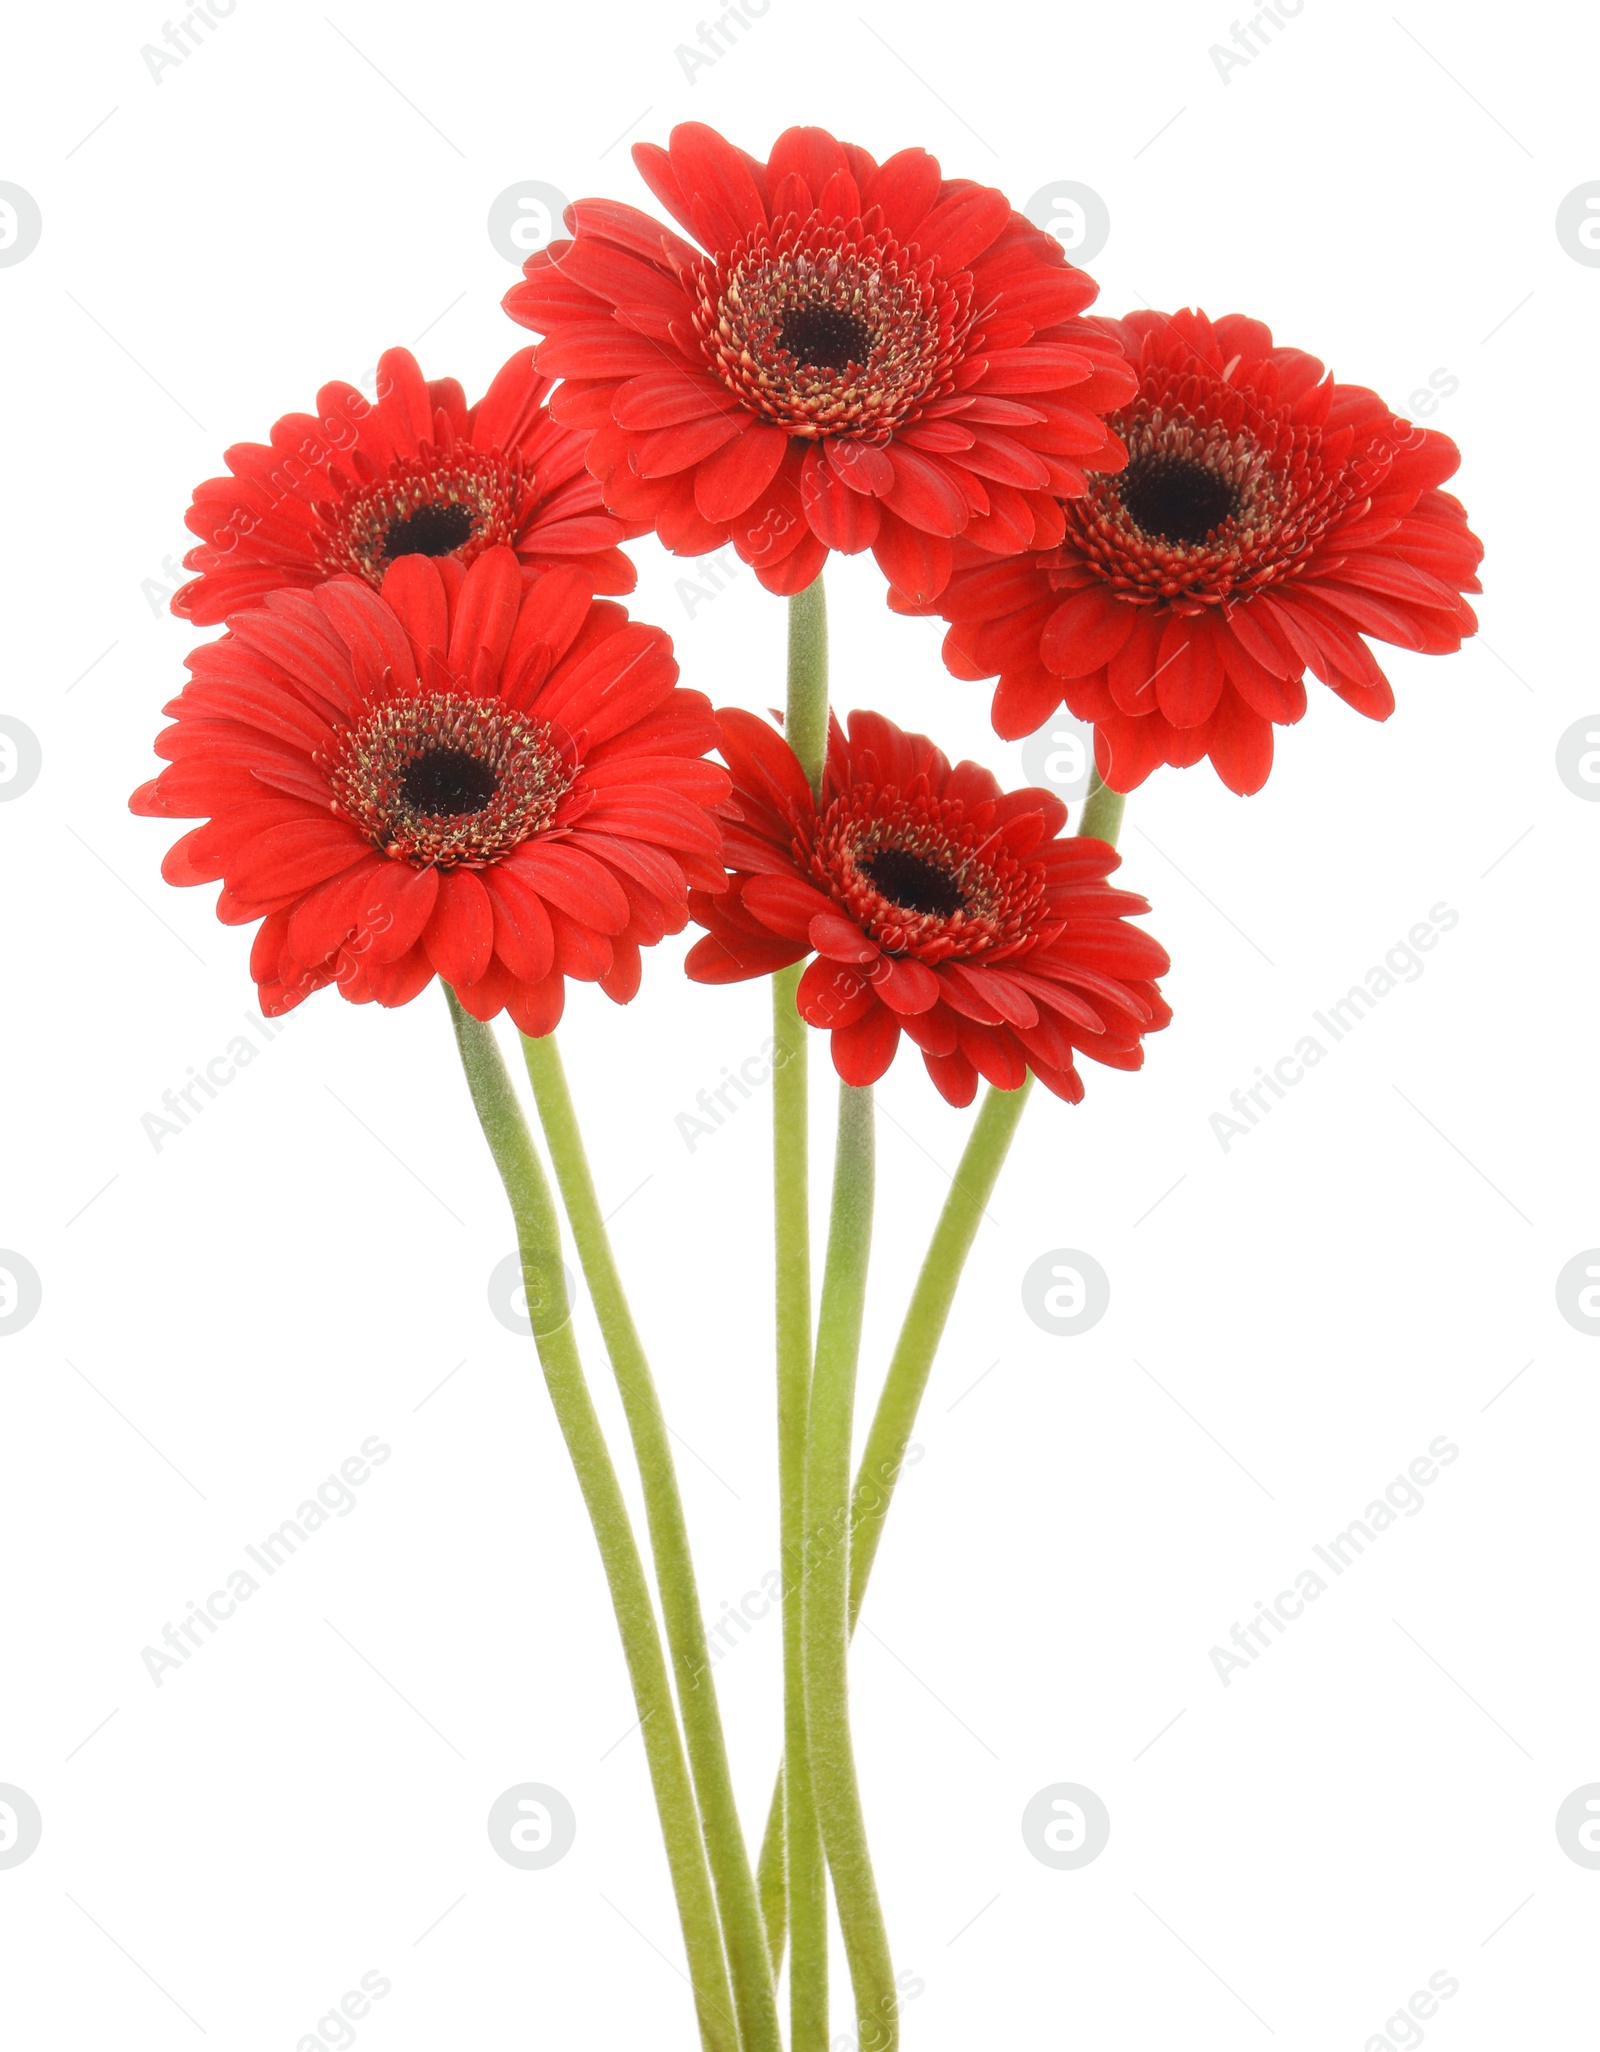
1267,519
933,904
349,490
467,773
858,355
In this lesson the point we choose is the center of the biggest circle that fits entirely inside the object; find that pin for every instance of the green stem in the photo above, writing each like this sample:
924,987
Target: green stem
539,1242
806,716
753,1992
825,1577
912,1361
772,1880
792,1875
929,1309
1101,817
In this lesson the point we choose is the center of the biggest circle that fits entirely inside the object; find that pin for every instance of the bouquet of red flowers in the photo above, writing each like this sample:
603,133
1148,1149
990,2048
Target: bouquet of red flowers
431,743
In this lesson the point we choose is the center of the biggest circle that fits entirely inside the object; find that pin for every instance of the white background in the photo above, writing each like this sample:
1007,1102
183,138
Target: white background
224,1320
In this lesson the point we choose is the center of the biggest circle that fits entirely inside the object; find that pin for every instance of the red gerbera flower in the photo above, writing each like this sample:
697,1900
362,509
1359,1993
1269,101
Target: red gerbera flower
1266,520
935,905
469,773
869,356
421,473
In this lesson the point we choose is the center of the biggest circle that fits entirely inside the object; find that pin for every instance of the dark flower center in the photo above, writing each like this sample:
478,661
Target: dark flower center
447,778
456,501
432,530
829,337
827,326
447,783
1174,498
913,883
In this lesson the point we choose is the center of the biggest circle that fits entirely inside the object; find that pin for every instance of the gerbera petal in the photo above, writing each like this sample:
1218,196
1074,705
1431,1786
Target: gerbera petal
1085,631
915,562
572,882
859,465
788,905
665,451
954,1077
905,985
523,937
906,188
796,570
663,398
863,1049
923,494
831,994
963,225
537,1007
1241,744
414,588
1127,750
841,940
722,197
292,857
1188,675
459,936
483,616
994,1053
1024,699
719,959
331,912
843,519
621,981
733,477
401,904
811,154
